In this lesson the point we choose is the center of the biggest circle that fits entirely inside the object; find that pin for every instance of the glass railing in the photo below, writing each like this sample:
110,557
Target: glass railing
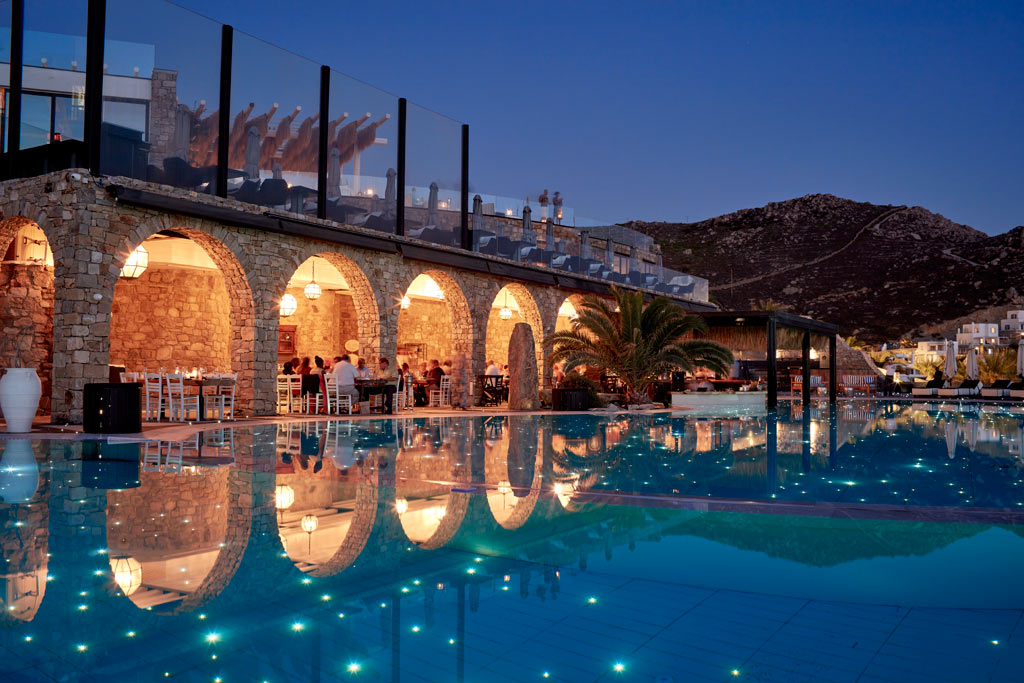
362,152
433,176
160,123
275,103
160,99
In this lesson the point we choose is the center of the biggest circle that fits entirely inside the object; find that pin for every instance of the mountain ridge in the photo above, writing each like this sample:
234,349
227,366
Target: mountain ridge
879,271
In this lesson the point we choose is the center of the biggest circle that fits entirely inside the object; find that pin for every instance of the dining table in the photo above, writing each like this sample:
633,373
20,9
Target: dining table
201,383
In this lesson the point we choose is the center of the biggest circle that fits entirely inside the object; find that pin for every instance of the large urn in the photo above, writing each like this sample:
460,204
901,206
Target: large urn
19,398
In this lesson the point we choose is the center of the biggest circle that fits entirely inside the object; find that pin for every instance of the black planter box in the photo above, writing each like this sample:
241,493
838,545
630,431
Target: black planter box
569,399
112,408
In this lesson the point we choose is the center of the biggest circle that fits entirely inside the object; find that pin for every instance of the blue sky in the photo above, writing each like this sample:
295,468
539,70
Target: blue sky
681,111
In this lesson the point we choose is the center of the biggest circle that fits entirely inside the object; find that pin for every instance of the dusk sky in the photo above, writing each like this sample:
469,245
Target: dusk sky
680,111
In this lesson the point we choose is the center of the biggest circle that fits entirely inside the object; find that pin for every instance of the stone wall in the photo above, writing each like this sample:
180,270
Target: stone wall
429,323
26,321
91,236
162,113
498,334
171,317
322,326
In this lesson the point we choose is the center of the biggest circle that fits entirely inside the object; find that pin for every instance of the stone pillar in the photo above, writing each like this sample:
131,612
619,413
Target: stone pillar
522,368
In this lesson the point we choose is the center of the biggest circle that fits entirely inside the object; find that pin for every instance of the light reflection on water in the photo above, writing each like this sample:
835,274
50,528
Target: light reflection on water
877,504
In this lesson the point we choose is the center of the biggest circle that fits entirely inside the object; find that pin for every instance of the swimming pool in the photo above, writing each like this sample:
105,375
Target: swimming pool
870,542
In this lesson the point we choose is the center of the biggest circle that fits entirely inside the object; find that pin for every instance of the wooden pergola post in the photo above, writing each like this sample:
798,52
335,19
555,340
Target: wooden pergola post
772,400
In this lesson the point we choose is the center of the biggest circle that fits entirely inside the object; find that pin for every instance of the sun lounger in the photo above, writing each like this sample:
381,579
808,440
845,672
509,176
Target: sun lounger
1017,390
929,390
999,389
971,387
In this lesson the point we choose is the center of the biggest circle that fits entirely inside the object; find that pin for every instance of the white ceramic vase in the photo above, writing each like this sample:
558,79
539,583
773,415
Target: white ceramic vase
19,398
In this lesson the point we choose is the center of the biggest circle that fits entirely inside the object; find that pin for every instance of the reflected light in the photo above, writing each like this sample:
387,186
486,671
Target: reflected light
401,506
406,302
310,523
284,496
127,573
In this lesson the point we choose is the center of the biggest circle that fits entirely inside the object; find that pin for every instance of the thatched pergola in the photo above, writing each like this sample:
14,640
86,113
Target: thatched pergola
768,331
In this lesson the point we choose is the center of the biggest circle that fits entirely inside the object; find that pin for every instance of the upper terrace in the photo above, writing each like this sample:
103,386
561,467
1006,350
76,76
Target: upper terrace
182,101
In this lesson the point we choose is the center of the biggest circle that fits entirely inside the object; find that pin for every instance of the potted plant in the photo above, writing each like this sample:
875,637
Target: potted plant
20,388
575,392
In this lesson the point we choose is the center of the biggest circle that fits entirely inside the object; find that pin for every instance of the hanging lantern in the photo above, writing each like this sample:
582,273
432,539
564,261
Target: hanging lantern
288,305
504,487
406,302
401,505
310,523
505,313
284,496
136,263
312,290
127,573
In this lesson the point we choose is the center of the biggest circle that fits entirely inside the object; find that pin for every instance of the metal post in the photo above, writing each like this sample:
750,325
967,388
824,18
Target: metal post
14,101
772,400
227,35
771,449
321,161
400,175
467,234
805,394
93,115
833,387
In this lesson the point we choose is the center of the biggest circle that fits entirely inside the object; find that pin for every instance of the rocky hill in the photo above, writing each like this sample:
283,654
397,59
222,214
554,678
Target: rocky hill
879,271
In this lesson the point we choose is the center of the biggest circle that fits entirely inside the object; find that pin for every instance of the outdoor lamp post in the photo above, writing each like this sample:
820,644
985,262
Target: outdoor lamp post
309,525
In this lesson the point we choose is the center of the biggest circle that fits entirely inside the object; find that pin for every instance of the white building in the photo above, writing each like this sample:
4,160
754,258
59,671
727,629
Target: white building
935,351
981,336
1012,326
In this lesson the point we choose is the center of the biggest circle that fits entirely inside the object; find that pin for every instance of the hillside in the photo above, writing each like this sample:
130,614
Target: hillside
879,271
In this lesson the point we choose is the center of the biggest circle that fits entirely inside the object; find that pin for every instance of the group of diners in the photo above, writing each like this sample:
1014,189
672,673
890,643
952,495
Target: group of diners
359,382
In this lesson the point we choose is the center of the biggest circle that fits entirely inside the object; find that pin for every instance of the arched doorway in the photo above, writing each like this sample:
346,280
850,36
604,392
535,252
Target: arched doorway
567,312
512,305
434,321
182,301
513,469
26,300
332,311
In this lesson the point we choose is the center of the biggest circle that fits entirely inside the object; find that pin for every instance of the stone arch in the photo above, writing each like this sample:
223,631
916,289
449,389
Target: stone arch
529,311
462,333
27,299
247,347
365,296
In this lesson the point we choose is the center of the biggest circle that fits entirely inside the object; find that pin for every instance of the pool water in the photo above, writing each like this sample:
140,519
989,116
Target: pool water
869,542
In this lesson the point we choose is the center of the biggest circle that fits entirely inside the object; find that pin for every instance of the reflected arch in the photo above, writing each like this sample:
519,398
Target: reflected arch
427,470
180,566
513,472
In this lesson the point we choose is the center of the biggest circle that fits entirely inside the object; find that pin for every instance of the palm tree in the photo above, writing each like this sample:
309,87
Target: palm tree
999,365
638,343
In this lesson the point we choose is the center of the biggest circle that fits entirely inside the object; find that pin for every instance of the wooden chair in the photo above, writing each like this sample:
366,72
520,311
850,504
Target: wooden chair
153,386
129,377
180,404
284,393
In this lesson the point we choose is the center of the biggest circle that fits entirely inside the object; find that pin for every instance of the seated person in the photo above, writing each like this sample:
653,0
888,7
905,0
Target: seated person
386,373
433,378
492,368
346,375
364,372
290,366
